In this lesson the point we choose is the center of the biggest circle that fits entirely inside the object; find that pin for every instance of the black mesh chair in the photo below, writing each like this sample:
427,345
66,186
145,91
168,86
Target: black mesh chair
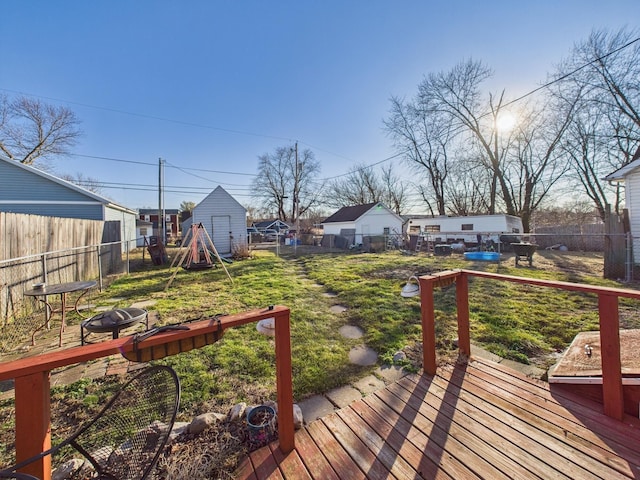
125,440
17,476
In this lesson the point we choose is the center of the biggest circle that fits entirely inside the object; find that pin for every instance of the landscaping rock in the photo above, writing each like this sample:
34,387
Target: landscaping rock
68,469
178,429
204,421
298,418
399,356
237,411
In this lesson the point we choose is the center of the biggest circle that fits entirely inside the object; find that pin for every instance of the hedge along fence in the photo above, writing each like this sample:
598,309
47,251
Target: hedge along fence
36,249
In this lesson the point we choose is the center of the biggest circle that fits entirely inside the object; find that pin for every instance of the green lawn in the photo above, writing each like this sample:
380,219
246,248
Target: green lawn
511,320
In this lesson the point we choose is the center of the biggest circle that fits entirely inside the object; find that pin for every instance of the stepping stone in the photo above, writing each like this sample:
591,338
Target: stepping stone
391,373
338,309
343,396
329,294
143,304
315,407
363,356
369,384
351,331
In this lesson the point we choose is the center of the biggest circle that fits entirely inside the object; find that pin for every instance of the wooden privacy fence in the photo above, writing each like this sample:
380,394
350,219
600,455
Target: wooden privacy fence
24,235
36,249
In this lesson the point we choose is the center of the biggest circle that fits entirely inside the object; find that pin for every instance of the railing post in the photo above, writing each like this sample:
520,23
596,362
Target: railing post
612,394
284,383
428,325
462,306
33,422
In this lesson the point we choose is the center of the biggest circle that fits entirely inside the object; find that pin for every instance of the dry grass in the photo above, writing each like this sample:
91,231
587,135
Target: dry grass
212,454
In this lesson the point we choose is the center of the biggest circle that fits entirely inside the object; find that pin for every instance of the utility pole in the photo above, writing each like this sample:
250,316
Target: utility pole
296,206
161,232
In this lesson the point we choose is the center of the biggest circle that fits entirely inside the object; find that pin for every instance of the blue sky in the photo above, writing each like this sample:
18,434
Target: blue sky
210,85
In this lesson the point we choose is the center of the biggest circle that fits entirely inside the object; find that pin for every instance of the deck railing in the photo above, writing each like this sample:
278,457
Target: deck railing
32,376
612,392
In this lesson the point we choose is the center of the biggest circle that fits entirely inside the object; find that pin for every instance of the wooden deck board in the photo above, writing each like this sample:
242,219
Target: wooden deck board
479,420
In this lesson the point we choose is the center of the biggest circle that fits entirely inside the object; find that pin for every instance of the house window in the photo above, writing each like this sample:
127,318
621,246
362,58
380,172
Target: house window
467,226
414,229
386,231
515,230
143,231
432,228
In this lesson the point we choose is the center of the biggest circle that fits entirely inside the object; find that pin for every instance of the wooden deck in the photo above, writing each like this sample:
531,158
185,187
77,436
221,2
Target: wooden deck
480,420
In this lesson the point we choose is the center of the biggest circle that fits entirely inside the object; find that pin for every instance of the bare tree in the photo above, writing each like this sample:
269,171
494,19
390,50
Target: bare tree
534,163
456,95
601,78
363,185
32,130
88,183
422,137
288,177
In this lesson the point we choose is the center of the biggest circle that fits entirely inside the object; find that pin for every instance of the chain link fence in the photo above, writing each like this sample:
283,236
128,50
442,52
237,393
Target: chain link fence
20,315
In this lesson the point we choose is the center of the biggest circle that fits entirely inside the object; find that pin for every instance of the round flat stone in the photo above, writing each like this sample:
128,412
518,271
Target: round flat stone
351,331
338,309
363,356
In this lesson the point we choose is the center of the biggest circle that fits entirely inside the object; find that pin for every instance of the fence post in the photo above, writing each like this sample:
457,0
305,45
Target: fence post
99,266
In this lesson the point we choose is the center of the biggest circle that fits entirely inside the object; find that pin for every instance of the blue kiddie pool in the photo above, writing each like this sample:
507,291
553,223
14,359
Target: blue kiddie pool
482,256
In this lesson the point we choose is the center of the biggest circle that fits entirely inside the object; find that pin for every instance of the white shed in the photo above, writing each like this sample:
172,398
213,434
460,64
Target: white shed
364,220
630,176
224,219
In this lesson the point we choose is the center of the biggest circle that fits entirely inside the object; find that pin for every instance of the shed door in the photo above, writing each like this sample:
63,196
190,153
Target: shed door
221,233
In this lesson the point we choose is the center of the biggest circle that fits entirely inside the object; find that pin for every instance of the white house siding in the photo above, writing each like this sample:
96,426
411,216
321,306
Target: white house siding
224,219
372,222
632,198
376,220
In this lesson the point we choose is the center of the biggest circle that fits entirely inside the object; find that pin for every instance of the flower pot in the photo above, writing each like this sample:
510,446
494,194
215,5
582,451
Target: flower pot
261,421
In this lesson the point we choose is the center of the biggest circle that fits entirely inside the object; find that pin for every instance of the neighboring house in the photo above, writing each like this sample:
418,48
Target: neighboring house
224,219
360,221
630,176
277,225
143,229
171,222
25,189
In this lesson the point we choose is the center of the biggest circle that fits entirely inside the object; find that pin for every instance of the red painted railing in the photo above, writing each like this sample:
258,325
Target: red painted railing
607,308
32,375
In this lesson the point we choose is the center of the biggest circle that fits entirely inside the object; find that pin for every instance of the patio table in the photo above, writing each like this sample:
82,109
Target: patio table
62,289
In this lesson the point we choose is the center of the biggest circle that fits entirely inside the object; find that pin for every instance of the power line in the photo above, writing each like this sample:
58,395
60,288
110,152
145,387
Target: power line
147,116
573,72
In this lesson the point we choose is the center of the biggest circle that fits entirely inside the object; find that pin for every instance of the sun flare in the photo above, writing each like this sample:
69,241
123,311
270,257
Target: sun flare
505,121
